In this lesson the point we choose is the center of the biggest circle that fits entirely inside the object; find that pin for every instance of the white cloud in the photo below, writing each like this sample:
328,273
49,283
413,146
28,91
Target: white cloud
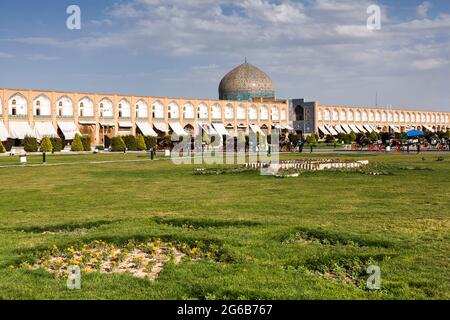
422,9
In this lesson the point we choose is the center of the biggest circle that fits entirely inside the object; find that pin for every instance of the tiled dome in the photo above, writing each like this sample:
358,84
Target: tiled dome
245,83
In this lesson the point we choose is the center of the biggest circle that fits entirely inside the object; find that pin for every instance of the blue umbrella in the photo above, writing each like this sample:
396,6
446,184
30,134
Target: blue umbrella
415,133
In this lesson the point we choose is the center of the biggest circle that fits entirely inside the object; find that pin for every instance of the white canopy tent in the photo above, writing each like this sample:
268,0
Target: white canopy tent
161,127
3,132
146,129
69,129
19,130
44,129
178,129
255,128
220,128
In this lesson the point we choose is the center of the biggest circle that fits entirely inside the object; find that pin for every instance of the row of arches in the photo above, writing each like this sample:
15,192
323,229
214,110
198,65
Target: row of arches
18,106
343,115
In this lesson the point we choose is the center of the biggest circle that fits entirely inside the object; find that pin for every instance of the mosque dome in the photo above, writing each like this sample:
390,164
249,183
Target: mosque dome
246,82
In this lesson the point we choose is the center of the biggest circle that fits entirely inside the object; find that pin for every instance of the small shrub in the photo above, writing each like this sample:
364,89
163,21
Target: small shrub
56,144
150,141
30,144
46,145
100,147
140,143
117,144
130,142
2,148
77,144
86,140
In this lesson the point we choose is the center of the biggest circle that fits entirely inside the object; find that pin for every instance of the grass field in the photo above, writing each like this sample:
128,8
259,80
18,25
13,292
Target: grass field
310,237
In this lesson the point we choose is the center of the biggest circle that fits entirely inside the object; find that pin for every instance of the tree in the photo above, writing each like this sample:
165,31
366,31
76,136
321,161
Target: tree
362,140
385,137
130,142
373,137
77,144
311,139
46,145
86,142
30,144
117,144
2,148
140,143
329,138
150,141
352,136
56,144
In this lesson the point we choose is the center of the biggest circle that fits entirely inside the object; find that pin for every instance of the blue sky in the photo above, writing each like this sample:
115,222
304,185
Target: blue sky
313,49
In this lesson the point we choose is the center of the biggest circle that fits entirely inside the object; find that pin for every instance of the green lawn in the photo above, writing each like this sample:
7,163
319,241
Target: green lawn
310,237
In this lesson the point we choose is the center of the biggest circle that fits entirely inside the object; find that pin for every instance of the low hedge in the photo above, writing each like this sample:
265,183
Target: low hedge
30,144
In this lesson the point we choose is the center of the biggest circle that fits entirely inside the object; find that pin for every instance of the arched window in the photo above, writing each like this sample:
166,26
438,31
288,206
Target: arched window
396,117
229,112
371,116
203,111
384,117
188,111
241,112
390,117
141,110
350,115
413,118
335,115
343,116
158,110
124,109
364,116
106,108
284,115
264,113
42,106
17,105
85,107
358,116
299,113
216,112
253,113
377,117
327,115
408,117
65,108
402,117
174,111
275,114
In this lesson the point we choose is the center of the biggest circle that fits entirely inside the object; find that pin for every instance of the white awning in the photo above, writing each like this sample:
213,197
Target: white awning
107,124
278,127
428,128
69,129
3,132
209,129
361,128
18,130
125,124
324,131
87,123
44,129
288,127
374,129
368,128
331,130
220,128
394,128
338,128
146,129
346,128
257,129
161,127
354,128
178,129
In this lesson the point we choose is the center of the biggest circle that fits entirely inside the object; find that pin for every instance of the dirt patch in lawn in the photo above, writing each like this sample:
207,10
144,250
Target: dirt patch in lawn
142,260
196,224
